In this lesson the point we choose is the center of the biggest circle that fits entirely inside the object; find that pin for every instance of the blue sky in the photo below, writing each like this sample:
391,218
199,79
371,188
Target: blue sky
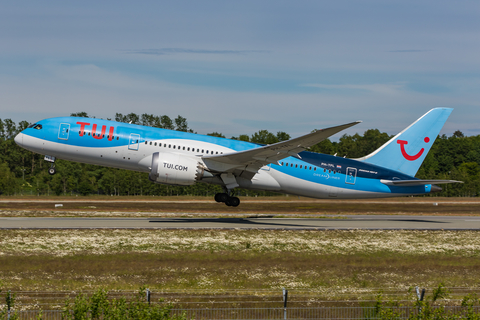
239,67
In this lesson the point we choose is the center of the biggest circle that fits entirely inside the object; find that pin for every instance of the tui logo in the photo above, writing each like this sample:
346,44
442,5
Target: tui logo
94,131
402,144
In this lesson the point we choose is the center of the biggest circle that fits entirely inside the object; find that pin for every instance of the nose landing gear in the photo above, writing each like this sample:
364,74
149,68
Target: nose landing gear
52,170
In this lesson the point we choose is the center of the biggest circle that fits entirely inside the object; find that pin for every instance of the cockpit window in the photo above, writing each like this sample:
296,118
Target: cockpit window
37,126
32,125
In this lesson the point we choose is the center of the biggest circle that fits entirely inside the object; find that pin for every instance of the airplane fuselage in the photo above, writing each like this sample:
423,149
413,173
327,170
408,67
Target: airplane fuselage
132,147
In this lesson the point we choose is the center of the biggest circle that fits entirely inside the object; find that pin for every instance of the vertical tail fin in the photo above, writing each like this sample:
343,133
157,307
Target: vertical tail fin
406,151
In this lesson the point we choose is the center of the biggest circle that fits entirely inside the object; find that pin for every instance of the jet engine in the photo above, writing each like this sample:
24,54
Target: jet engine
171,168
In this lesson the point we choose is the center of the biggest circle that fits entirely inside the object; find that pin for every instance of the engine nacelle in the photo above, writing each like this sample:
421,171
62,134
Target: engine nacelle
171,168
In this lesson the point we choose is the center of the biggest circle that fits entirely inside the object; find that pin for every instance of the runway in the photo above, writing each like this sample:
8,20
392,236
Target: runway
365,222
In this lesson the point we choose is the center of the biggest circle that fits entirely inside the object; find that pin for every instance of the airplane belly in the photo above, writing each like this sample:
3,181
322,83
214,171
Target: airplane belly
262,180
111,156
297,186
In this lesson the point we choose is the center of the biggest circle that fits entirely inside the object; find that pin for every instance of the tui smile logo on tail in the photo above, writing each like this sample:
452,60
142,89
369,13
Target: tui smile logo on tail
402,144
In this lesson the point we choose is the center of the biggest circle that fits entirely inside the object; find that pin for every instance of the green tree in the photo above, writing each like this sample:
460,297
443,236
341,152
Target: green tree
282,136
81,114
8,182
264,137
216,134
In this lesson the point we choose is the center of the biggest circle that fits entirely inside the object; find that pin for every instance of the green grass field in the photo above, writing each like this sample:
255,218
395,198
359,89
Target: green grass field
237,259
104,206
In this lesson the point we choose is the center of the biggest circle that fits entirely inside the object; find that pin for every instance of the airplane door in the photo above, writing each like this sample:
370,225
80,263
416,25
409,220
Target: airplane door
64,131
133,141
351,175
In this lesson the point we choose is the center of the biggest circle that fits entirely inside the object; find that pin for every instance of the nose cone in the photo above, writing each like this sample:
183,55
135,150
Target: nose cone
19,139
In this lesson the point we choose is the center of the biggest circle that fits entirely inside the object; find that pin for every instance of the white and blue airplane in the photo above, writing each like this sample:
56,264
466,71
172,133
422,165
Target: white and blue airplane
182,158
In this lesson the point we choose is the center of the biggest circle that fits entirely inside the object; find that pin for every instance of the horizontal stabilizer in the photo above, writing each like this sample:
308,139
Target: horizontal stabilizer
409,183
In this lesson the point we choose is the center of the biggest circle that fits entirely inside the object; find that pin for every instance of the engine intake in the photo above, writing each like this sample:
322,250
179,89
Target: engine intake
175,169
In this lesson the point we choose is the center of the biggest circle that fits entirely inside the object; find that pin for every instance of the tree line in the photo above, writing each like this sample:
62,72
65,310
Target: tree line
455,157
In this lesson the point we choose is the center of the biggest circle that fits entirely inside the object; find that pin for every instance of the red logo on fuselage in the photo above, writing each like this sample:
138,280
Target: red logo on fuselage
94,131
402,144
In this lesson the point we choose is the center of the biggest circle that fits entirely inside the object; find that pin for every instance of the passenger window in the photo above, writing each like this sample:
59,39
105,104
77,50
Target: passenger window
169,145
202,151
315,169
301,166
310,168
296,166
291,165
183,148
207,151
281,163
188,149
117,138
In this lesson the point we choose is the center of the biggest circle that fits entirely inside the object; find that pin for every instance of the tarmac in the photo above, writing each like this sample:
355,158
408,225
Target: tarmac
344,222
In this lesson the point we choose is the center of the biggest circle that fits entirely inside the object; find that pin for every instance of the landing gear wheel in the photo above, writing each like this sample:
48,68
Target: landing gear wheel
52,171
221,197
232,202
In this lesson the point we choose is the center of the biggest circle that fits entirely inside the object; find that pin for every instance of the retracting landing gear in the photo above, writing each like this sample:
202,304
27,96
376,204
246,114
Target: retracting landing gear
229,201
230,183
52,169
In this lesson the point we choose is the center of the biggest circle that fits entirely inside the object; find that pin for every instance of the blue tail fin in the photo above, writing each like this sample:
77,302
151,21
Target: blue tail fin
406,151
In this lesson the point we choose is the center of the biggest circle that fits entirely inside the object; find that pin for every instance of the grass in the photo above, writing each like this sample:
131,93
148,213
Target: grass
330,263
237,259
102,206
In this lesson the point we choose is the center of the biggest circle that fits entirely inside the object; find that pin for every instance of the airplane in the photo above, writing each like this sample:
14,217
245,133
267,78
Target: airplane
183,158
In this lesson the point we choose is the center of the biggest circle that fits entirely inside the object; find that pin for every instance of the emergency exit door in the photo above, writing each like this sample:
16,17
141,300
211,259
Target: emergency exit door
63,131
351,175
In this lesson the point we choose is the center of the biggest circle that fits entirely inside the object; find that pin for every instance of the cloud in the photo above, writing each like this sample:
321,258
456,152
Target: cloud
171,51
409,50
388,89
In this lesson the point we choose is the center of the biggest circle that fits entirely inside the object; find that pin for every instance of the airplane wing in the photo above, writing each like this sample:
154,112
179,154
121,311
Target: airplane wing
247,163
409,183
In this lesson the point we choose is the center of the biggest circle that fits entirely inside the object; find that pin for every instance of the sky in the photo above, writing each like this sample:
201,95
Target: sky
237,67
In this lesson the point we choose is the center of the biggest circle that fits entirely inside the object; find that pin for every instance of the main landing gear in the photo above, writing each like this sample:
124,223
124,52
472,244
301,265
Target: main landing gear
229,201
